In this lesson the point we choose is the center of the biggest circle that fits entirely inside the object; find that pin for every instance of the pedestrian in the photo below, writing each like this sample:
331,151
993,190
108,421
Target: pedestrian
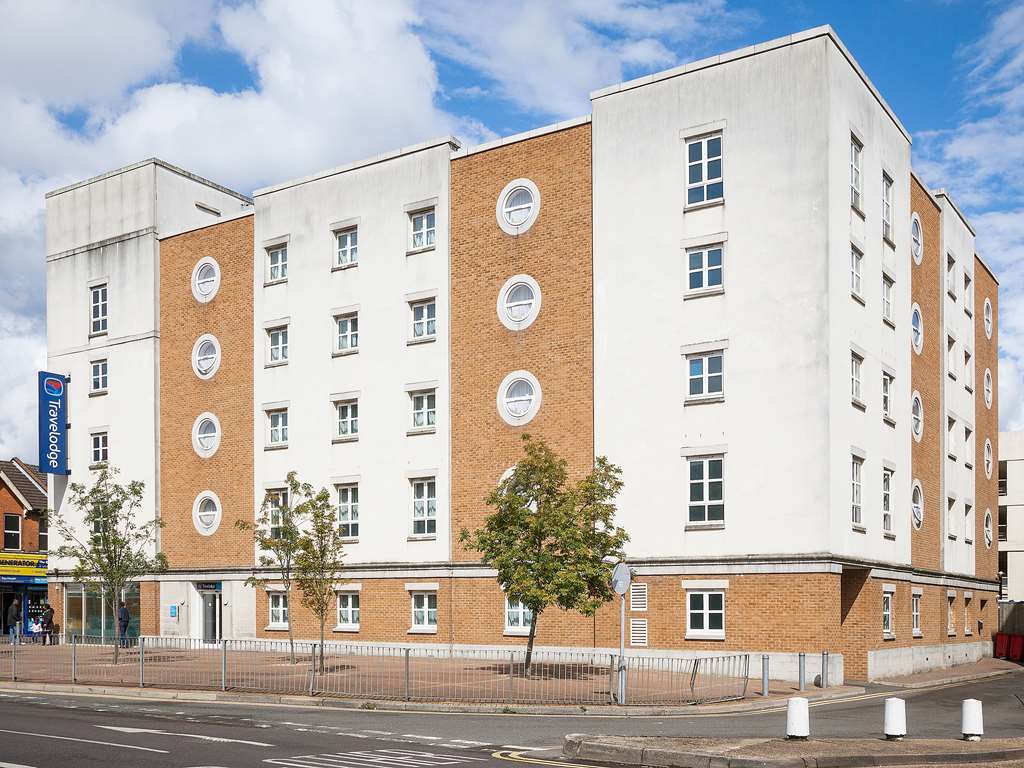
47,624
14,621
124,618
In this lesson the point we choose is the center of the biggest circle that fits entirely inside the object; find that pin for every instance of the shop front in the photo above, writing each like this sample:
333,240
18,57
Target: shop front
23,578
87,614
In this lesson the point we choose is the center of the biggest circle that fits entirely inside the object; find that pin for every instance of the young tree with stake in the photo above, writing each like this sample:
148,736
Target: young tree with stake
553,542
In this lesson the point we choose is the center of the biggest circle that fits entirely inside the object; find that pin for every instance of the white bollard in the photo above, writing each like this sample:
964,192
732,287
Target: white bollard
972,725
798,721
895,719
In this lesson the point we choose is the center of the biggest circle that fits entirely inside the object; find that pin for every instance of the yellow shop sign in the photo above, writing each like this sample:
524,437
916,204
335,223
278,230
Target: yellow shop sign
19,564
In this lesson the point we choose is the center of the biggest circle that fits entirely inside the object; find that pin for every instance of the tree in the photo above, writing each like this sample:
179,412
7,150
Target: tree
277,537
321,550
553,542
114,549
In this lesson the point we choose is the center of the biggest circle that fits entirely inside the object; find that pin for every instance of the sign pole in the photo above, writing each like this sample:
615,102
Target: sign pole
621,578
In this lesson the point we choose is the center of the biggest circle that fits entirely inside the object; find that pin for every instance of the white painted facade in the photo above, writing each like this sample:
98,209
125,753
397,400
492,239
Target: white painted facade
104,231
785,318
1011,508
379,197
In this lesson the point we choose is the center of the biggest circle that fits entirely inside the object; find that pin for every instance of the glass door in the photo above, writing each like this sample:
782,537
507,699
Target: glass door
211,617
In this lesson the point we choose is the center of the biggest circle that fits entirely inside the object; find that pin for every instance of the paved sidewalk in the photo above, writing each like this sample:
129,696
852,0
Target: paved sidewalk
988,667
782,753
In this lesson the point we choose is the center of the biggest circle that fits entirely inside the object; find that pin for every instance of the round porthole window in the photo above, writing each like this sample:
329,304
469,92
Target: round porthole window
205,279
519,398
206,435
988,388
518,206
917,416
988,458
917,504
519,302
916,329
206,356
988,528
988,318
916,239
206,513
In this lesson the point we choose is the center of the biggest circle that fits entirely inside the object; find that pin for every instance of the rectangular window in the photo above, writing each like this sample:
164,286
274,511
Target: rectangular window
950,517
424,319
951,438
707,490
1002,477
424,609
12,531
951,275
968,447
277,501
967,615
705,614
705,268
915,614
278,609
856,150
952,364
44,534
704,170
1002,523
277,264
638,632
348,610
423,232
887,288
887,500
968,372
277,339
886,207
706,374
346,336
968,295
887,614
950,621
98,380
856,265
424,507
348,511
856,363
277,427
424,409
98,309
348,418
348,249
99,447
638,596
857,468
968,524
518,617
888,383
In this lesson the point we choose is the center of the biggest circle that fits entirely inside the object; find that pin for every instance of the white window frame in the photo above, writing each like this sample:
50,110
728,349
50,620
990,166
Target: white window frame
348,510
705,612
100,447
915,615
705,270
277,605
277,503
952,364
988,318
347,607
346,419
705,379
917,508
215,358
422,233
968,630
281,415
704,163
887,500
200,513
518,618
421,329
423,404
502,208
98,376
99,309
887,626
968,295
970,522
510,417
988,458
952,444
277,272
917,416
508,309
856,369
702,506
856,491
888,284
198,283
968,370
856,175
950,618
17,517
424,508
951,288
886,207
277,344
888,387
987,529
205,444
988,388
350,335
916,242
347,254
856,272
917,331
424,618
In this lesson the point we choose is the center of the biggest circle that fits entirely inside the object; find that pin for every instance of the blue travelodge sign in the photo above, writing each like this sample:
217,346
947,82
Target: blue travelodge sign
53,423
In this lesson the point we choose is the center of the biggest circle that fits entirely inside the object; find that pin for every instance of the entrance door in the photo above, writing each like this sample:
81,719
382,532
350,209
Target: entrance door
211,617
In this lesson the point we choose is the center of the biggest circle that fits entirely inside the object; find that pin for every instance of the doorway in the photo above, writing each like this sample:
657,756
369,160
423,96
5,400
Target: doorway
211,617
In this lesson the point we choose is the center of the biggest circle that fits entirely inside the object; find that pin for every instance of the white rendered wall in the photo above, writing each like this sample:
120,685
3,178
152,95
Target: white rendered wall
1011,450
385,457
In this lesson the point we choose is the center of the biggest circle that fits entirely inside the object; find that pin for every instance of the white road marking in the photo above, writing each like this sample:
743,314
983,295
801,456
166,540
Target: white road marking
471,743
417,736
218,739
513,746
85,741
382,733
381,758
14,765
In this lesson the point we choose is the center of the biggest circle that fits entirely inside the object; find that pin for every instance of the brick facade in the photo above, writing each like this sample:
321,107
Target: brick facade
986,421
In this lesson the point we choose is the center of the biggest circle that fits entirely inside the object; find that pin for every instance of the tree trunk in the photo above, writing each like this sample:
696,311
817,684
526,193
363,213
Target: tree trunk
529,642
117,633
323,620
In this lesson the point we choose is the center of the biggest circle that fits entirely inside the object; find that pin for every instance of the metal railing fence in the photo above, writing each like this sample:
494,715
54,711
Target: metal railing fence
390,673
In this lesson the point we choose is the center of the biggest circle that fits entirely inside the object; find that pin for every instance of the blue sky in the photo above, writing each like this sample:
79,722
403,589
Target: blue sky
250,92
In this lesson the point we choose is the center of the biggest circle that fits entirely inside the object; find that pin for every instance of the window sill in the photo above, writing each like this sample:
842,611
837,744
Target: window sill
275,447
706,204
276,628
889,536
858,298
343,267
887,636
951,457
700,293
951,536
704,636
889,322
889,420
951,375
421,431
97,334
858,404
424,340
968,541
951,294
98,465
969,388
346,628
422,537
422,630
517,632
424,249
950,634
968,633
704,527
345,352
704,399
888,241
968,465
98,393
859,528
856,209
345,439
918,633
350,540
268,283
276,364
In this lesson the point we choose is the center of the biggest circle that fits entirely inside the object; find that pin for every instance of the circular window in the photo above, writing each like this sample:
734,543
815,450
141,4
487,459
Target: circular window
988,388
988,318
988,458
916,329
206,356
206,513
206,435
916,239
518,206
519,398
988,528
519,302
205,279
917,416
917,504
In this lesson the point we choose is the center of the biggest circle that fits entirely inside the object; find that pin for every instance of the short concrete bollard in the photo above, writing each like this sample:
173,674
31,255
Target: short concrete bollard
895,725
972,725
798,720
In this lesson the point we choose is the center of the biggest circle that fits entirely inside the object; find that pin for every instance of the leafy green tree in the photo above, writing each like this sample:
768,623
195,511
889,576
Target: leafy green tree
111,548
552,541
277,535
321,551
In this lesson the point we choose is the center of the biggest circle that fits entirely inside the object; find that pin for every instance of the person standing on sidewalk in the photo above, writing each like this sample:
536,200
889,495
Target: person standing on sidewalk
14,621
47,624
124,618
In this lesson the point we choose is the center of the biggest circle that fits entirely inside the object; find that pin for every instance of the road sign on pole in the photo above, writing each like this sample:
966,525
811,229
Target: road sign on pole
621,578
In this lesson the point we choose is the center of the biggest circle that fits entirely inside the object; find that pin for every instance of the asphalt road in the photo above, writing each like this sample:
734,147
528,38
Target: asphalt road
42,730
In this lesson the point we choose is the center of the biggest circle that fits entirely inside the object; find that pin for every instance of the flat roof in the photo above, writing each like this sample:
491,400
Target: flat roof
222,220
452,141
753,50
150,161
525,135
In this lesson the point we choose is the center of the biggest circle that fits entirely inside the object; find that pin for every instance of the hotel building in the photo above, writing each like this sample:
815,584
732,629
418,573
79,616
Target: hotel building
727,278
